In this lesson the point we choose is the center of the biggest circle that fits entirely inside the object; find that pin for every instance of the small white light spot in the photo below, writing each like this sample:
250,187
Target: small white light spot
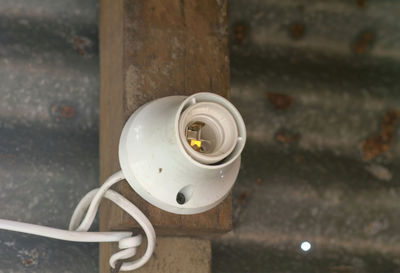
305,246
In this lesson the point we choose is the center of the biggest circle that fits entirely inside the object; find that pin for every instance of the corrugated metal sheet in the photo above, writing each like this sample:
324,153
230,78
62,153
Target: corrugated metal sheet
317,84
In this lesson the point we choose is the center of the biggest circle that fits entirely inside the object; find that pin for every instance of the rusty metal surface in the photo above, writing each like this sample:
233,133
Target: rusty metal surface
49,86
316,82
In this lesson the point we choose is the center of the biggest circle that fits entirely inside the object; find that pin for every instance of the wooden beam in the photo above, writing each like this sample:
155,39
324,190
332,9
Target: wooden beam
177,254
151,49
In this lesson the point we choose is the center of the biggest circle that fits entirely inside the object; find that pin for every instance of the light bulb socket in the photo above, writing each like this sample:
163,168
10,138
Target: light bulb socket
161,166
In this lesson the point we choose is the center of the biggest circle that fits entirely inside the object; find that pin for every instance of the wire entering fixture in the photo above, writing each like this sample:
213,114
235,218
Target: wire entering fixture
83,218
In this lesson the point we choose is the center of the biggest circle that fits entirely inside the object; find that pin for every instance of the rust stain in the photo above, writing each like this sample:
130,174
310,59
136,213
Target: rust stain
258,181
341,269
7,156
286,137
68,112
301,8
63,111
363,43
240,32
297,30
299,158
304,194
280,101
54,109
378,144
376,227
27,262
80,43
243,197
81,52
361,3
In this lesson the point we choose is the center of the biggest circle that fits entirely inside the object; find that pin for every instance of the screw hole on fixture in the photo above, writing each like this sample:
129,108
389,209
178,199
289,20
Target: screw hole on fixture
180,198
184,195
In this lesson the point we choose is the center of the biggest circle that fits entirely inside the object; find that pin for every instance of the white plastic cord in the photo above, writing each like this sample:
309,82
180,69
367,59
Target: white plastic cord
78,228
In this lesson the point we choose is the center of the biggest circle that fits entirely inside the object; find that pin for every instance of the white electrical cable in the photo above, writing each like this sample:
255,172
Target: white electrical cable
78,228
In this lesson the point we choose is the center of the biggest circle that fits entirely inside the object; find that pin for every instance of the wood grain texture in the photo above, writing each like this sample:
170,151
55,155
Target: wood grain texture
111,112
151,49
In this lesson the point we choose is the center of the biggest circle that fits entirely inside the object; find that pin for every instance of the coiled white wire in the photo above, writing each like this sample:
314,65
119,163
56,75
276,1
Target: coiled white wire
78,228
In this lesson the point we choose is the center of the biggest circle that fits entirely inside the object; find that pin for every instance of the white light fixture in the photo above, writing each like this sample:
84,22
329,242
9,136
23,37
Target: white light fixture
181,154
